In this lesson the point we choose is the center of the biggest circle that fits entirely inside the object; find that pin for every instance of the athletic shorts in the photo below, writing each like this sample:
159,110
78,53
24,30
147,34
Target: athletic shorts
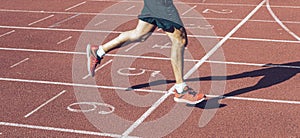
164,24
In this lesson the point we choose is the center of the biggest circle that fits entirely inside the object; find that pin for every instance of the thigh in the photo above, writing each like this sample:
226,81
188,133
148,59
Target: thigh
143,27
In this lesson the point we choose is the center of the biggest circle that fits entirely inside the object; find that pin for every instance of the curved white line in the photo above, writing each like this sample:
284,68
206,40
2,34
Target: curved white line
279,22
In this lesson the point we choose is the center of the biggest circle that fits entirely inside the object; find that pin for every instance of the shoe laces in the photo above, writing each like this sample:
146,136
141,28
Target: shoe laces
190,91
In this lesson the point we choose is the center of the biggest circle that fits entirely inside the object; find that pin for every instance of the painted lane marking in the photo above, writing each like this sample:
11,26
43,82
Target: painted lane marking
133,46
198,3
203,27
280,23
190,72
126,72
65,20
130,8
41,20
100,23
145,90
145,57
184,13
224,11
102,66
44,104
94,107
133,15
155,34
24,60
80,85
60,129
7,33
220,43
77,5
254,99
146,114
64,40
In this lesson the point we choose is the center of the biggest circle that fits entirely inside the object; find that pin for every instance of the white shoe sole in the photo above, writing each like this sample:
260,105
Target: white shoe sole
187,101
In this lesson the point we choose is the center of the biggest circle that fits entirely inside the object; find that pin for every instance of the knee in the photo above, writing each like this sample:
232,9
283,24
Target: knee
135,37
180,42
180,38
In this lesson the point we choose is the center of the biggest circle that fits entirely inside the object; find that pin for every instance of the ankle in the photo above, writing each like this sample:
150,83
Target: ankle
100,52
180,87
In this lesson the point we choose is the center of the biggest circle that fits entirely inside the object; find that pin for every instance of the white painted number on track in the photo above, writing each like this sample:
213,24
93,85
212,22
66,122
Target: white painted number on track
165,46
224,11
125,72
202,27
94,105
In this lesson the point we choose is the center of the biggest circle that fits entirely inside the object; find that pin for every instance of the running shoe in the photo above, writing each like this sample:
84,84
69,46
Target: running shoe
92,59
188,96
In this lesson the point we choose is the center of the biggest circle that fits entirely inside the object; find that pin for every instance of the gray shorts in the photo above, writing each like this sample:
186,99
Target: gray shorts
166,25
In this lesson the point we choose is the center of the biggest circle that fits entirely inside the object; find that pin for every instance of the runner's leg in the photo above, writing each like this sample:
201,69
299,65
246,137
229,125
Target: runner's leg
142,30
179,41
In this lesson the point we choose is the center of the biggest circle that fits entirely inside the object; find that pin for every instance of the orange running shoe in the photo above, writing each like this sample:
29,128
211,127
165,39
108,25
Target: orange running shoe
188,96
92,59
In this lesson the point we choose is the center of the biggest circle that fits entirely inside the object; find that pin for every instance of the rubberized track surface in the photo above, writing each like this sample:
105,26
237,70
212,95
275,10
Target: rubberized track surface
40,42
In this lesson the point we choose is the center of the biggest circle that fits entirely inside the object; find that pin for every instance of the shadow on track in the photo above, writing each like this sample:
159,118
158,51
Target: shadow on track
272,75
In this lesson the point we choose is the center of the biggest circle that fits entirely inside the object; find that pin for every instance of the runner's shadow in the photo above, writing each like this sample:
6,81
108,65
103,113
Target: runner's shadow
273,75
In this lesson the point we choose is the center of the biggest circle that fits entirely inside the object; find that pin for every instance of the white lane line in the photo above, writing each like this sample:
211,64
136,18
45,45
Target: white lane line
145,57
218,45
41,20
133,46
134,15
67,19
24,60
189,10
191,71
145,90
280,23
130,8
198,3
254,64
102,66
5,34
146,114
60,129
80,85
64,40
155,34
77,5
44,104
265,40
100,23
254,99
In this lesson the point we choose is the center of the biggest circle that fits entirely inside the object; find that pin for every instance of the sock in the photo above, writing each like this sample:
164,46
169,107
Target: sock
100,52
179,87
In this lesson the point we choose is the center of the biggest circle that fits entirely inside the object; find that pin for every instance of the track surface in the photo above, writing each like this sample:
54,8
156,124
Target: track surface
42,49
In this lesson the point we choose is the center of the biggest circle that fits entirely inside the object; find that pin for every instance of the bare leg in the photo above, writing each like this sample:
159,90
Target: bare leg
179,41
143,29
